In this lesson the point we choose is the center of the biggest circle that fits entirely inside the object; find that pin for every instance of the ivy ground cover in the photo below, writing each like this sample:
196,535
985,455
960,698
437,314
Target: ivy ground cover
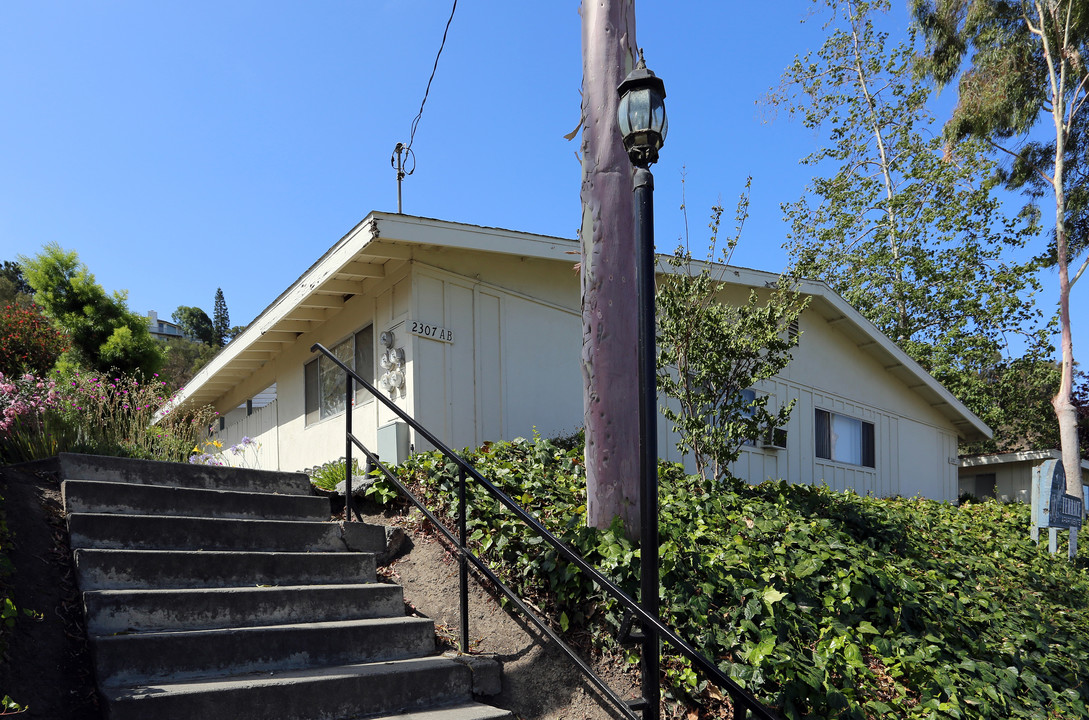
823,604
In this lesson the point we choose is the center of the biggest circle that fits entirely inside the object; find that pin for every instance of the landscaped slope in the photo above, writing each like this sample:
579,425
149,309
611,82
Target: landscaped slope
824,604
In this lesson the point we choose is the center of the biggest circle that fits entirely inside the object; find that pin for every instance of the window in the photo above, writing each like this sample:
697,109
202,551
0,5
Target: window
323,381
748,397
844,439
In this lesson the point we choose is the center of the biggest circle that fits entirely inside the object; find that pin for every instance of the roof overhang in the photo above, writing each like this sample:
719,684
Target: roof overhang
373,249
382,242
1015,457
838,313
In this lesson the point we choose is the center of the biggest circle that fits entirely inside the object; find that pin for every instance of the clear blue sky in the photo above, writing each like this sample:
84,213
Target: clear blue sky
181,147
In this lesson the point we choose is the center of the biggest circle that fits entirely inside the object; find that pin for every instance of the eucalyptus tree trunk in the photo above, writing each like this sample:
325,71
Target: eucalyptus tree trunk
610,367
1060,73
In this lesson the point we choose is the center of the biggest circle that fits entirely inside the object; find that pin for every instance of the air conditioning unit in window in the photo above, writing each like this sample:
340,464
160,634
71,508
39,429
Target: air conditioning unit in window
776,439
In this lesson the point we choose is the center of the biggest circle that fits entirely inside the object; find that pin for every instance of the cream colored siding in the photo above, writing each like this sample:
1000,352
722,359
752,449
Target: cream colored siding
509,369
512,301
261,427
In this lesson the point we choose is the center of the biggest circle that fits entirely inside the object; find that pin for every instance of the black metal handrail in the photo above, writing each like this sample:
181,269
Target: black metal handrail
651,624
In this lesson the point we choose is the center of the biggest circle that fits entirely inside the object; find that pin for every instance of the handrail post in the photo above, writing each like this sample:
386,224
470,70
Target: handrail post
348,504
463,570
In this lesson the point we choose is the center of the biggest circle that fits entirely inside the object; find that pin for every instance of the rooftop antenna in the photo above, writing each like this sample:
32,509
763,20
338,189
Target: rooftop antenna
402,153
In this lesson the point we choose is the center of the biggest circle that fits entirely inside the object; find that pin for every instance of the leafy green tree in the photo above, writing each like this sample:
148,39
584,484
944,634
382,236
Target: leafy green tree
221,320
195,323
104,334
711,350
184,358
13,286
1023,88
911,236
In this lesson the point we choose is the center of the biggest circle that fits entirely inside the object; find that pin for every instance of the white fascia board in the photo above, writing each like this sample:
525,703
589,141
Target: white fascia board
1012,457
441,233
380,228
343,252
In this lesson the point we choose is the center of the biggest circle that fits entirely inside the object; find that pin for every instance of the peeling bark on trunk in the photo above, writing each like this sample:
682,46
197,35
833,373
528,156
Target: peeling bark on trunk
609,319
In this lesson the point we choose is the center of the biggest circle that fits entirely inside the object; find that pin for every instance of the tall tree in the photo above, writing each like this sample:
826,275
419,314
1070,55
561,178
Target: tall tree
609,322
912,237
221,320
195,323
105,335
1024,76
12,281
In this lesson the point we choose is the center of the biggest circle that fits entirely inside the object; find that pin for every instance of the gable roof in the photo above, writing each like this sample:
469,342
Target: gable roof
382,242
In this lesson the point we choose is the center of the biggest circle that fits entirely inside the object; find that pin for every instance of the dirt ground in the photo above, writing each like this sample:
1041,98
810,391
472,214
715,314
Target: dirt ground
47,665
539,681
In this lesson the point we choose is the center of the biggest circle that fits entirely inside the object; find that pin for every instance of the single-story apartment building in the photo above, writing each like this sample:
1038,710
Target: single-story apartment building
477,331
1006,476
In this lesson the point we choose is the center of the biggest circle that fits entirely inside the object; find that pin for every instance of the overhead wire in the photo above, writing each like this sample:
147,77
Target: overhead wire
416,120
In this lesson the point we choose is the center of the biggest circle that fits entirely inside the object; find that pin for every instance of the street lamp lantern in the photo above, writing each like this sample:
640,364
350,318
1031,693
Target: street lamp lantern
641,114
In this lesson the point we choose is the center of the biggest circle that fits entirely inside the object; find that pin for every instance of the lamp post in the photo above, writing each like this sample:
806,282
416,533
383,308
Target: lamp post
643,125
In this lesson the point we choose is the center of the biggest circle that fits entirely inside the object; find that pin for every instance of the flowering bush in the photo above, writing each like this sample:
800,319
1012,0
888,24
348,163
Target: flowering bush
28,341
28,423
24,397
213,453
89,412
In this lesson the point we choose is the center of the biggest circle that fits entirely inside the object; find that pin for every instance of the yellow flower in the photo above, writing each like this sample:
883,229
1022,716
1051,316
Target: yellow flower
217,443
196,448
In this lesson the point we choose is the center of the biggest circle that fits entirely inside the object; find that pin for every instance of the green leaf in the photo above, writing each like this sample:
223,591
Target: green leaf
772,596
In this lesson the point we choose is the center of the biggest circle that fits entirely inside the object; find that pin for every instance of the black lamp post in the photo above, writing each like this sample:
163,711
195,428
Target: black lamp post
642,118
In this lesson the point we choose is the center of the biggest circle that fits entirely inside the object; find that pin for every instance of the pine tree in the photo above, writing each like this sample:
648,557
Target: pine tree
221,319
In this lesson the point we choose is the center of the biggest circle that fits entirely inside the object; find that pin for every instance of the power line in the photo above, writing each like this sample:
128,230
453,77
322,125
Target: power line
416,120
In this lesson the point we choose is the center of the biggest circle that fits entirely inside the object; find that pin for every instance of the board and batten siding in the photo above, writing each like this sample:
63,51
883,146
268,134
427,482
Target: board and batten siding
509,369
912,446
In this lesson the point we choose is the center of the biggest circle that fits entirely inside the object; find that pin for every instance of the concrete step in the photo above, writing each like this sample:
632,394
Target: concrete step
154,472
114,611
134,569
348,691
159,656
151,532
461,711
92,496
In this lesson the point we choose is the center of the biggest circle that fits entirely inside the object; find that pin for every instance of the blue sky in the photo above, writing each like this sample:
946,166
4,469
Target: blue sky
181,147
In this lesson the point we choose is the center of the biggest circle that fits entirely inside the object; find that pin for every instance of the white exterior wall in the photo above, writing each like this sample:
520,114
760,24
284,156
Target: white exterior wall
1013,480
915,446
261,427
514,362
300,446
514,366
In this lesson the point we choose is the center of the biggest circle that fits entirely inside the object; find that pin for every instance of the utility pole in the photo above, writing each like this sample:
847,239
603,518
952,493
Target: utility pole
610,358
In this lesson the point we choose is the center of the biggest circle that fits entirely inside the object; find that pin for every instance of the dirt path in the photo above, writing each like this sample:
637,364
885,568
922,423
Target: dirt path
539,681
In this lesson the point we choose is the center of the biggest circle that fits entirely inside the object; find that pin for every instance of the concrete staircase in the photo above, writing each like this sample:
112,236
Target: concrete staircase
226,593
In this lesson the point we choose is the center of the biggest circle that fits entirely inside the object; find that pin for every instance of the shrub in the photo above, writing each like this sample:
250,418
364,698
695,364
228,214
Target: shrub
328,475
28,341
824,604
95,414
